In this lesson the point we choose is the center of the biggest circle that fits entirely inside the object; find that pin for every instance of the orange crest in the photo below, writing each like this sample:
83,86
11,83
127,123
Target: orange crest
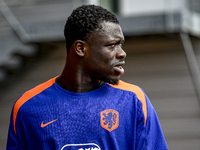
109,119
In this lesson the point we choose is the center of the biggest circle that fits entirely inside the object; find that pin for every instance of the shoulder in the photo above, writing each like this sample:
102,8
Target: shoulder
130,87
30,94
135,89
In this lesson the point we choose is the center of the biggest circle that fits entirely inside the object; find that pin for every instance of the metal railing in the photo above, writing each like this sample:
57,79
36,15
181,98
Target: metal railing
13,22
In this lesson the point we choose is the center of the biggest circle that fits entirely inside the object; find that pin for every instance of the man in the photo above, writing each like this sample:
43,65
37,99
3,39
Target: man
87,107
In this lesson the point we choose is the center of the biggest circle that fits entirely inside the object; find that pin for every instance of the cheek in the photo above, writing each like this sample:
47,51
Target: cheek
102,58
101,64
105,61
107,57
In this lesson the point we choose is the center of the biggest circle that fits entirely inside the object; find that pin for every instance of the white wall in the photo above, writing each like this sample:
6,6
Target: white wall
96,2
141,7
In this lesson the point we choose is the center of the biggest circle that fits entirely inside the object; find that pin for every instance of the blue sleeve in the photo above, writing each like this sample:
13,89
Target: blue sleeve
155,136
149,135
13,140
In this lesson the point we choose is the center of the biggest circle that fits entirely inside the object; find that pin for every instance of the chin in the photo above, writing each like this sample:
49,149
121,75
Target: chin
111,80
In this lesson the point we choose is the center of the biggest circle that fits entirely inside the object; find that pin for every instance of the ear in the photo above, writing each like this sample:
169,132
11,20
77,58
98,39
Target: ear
80,47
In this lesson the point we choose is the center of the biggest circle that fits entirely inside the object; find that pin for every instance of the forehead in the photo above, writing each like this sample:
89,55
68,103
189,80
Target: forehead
108,31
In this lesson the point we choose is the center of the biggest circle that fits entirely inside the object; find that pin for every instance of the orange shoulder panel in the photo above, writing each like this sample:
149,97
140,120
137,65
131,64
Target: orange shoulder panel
135,89
28,95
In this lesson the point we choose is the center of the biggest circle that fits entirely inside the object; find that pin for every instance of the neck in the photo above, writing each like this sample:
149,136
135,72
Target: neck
74,80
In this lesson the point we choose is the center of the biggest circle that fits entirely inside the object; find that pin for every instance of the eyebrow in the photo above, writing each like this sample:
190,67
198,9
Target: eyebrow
118,41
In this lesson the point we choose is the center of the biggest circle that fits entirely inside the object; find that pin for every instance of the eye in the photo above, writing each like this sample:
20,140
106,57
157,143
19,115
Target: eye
121,44
112,45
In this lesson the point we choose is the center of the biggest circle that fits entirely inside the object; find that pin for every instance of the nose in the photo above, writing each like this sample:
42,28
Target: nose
121,53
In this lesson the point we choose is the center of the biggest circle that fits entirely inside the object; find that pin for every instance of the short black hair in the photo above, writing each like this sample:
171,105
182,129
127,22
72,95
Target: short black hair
85,20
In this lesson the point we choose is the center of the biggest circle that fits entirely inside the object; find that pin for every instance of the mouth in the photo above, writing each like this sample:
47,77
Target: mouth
119,69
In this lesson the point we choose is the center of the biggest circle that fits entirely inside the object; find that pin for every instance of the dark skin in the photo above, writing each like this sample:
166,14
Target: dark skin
92,62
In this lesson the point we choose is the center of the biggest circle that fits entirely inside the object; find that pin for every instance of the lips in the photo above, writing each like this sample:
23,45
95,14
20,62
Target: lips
119,69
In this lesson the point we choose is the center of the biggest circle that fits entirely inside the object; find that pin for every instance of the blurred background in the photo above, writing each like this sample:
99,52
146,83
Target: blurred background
163,56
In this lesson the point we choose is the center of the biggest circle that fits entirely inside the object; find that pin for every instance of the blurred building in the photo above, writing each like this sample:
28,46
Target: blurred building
26,23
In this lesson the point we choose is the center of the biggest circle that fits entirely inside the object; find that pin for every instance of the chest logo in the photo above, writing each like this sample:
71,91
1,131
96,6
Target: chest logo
46,124
109,119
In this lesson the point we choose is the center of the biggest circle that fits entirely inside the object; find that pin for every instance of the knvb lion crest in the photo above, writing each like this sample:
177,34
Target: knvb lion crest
109,119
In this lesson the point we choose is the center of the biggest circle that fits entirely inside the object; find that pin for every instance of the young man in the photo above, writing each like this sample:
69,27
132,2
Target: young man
87,107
